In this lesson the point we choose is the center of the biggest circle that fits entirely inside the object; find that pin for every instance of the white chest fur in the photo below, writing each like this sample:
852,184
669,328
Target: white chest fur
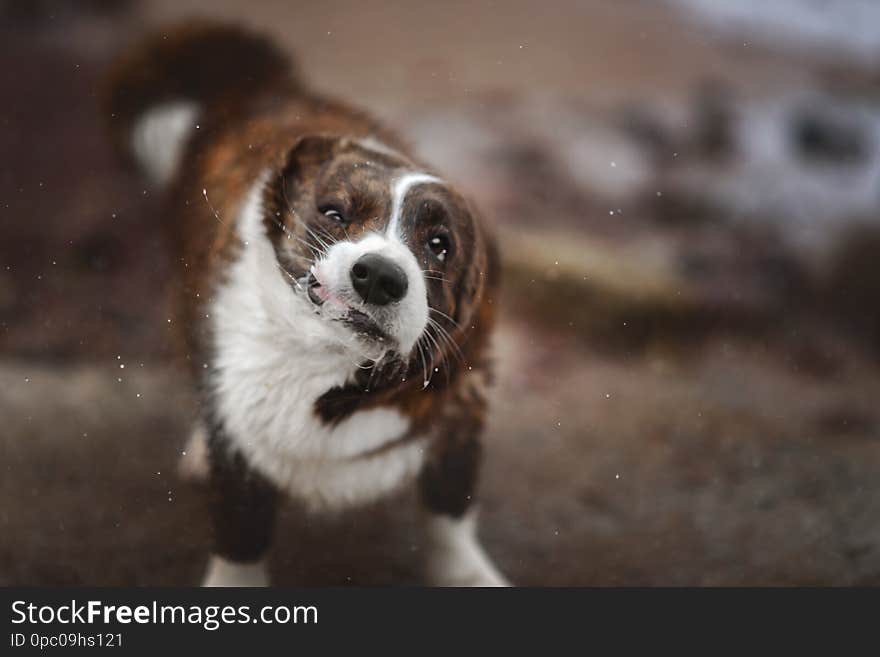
272,360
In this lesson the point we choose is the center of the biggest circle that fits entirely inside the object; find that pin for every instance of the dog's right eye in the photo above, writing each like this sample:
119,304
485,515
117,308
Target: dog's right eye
333,213
439,246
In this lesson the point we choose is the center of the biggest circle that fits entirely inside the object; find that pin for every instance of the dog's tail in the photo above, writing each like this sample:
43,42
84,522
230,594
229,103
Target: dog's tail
158,90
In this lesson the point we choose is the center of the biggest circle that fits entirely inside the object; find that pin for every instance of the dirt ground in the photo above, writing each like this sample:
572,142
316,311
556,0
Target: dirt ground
646,453
721,467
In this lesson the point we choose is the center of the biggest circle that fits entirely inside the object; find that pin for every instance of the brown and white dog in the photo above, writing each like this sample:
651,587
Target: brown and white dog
335,296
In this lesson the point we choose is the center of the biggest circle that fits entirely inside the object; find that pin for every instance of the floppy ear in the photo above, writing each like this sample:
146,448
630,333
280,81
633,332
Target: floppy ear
305,159
479,279
303,163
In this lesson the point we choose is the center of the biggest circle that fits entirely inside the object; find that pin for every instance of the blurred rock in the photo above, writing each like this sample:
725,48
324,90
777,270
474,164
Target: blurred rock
852,286
646,129
828,137
714,136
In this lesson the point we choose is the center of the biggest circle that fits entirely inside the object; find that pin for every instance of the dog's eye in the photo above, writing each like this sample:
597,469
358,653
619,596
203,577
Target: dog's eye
334,214
439,245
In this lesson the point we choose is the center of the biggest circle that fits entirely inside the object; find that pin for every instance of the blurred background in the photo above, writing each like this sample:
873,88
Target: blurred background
687,193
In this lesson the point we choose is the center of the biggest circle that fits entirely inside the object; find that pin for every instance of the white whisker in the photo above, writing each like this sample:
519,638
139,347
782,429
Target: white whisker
444,315
213,209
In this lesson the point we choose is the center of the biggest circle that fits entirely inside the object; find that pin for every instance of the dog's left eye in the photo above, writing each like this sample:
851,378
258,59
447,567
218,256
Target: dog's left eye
439,246
334,214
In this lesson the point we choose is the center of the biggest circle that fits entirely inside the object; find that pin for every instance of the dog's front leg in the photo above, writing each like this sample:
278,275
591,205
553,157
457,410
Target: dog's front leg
447,486
243,508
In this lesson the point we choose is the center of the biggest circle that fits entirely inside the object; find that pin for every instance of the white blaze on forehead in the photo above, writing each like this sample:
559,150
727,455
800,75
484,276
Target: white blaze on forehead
399,189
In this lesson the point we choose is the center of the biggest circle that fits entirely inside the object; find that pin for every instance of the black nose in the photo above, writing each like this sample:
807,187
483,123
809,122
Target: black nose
378,280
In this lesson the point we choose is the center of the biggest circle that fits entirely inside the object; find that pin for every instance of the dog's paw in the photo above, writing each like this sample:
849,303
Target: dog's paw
461,572
456,558
222,572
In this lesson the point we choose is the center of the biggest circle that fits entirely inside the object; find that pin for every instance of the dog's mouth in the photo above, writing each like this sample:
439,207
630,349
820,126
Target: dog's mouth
365,326
357,320
312,290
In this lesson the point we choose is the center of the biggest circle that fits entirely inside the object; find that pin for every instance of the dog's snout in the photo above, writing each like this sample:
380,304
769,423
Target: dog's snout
378,280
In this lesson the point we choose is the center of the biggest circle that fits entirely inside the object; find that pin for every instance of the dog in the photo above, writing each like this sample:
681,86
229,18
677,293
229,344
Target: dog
334,296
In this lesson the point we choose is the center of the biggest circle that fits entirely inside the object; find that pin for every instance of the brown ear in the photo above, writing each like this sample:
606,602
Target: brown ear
305,160
480,279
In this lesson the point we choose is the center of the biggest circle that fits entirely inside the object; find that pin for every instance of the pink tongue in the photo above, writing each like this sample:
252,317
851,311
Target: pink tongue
328,297
324,294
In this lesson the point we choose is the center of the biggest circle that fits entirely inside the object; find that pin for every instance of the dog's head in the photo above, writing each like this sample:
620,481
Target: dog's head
377,245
